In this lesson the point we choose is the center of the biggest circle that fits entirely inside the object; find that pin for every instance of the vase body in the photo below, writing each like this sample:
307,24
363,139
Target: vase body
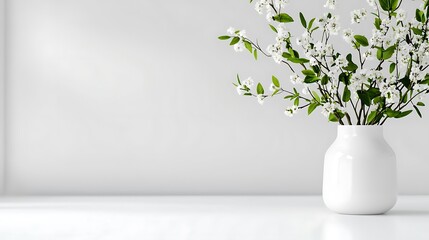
359,175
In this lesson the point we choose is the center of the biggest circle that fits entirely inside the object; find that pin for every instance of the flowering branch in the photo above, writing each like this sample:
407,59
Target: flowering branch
331,80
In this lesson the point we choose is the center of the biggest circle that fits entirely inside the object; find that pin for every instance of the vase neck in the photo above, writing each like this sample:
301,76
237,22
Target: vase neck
360,131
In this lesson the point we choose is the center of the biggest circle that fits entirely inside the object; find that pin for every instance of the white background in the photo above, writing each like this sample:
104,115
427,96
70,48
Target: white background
135,97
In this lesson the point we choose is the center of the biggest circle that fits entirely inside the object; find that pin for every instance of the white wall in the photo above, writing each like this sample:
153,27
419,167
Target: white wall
2,96
130,96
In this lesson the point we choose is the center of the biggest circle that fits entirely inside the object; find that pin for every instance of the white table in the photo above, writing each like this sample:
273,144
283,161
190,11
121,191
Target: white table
204,218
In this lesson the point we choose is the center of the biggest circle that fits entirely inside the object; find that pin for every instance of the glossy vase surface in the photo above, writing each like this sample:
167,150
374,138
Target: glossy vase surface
359,174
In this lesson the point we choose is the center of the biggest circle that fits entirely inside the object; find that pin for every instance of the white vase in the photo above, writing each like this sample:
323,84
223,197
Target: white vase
360,172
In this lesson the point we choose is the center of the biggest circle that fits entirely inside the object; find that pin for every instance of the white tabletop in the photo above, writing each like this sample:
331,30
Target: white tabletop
204,218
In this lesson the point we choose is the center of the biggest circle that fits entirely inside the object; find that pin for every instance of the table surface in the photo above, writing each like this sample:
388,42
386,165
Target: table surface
204,218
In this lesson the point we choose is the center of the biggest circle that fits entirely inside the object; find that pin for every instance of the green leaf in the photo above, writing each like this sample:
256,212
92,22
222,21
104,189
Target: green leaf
316,96
392,67
234,41
332,118
283,18
426,80
325,80
260,89
273,28
351,65
421,104
417,31
275,81
298,60
296,102
362,40
296,92
275,92
406,82
404,114
419,15
373,92
380,54
391,113
344,78
310,24
364,97
418,111
346,94
238,80
385,4
378,100
308,72
394,4
311,79
404,98
248,46
389,52
303,21
286,55
255,54
371,116
377,23
224,37
389,5
314,29
312,107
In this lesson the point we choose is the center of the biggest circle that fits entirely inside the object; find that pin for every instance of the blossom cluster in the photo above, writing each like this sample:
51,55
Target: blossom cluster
385,75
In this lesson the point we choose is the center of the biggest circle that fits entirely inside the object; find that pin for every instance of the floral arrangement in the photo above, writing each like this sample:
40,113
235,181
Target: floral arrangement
383,76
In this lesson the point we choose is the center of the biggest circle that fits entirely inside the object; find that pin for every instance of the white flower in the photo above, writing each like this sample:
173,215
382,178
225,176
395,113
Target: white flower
358,15
390,93
348,35
341,62
259,7
295,79
269,16
400,15
372,3
400,32
260,98
323,20
319,47
281,3
333,25
248,82
330,4
276,51
231,30
241,33
415,74
333,72
329,108
273,87
239,47
305,90
333,89
282,32
290,111
385,25
377,38
376,76
240,90
313,61
304,41
420,88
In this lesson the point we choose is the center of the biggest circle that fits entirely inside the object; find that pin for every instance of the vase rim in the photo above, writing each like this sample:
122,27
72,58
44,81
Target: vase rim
360,130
